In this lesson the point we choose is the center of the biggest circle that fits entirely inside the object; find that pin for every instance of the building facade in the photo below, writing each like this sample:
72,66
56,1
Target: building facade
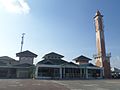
102,59
22,68
54,67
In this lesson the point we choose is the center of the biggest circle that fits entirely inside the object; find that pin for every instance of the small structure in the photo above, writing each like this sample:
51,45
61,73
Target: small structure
91,71
115,73
26,57
26,62
82,60
22,68
6,67
54,67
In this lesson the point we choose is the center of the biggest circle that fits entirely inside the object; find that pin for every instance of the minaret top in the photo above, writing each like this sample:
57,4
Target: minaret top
98,14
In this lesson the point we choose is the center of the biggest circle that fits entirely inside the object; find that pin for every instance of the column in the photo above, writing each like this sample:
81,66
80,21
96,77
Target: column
17,72
60,72
36,72
80,72
8,73
86,72
101,72
63,72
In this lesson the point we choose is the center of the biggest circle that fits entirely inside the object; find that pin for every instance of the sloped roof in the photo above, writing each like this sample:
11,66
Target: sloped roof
48,62
87,64
2,63
24,65
82,58
52,53
26,53
70,63
53,62
98,14
63,62
117,70
6,58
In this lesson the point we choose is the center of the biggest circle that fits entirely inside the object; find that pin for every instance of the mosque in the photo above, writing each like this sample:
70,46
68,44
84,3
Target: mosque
53,66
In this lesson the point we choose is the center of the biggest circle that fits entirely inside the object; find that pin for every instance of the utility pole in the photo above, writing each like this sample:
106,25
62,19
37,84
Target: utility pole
22,41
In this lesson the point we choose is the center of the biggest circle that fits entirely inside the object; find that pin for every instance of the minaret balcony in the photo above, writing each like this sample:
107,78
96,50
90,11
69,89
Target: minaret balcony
95,56
108,55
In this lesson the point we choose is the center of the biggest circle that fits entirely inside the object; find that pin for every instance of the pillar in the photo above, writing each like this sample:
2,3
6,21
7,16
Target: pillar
36,72
101,73
86,72
80,72
60,72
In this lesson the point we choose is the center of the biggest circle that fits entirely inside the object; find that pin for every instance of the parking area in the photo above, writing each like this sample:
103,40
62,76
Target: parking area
29,84
91,84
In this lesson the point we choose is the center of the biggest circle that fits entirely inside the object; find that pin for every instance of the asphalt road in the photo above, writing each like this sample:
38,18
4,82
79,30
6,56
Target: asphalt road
29,84
91,84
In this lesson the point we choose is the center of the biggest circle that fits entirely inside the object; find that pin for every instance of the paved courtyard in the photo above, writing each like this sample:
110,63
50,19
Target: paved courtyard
29,84
91,84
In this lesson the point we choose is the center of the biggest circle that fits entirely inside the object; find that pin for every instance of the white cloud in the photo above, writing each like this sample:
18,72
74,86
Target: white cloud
16,6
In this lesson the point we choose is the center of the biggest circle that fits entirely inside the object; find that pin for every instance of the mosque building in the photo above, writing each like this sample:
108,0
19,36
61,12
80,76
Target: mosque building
53,65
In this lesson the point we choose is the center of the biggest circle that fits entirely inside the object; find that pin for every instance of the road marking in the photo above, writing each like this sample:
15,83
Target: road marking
20,85
60,83
112,82
13,85
36,84
77,89
63,84
101,89
16,85
90,85
17,82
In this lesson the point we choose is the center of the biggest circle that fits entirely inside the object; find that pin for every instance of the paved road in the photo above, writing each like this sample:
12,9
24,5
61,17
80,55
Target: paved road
91,84
29,84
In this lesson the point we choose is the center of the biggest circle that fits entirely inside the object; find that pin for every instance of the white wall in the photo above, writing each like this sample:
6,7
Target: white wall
28,60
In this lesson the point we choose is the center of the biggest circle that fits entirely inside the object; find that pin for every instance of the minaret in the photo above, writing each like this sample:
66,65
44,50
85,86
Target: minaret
102,60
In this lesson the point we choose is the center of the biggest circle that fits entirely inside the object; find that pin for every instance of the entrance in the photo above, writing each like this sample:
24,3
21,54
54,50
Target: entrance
48,72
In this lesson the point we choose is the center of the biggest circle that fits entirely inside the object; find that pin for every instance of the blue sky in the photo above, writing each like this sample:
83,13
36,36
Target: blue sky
61,26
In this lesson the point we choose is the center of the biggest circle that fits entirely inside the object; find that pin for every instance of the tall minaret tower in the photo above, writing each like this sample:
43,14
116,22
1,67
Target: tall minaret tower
102,60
